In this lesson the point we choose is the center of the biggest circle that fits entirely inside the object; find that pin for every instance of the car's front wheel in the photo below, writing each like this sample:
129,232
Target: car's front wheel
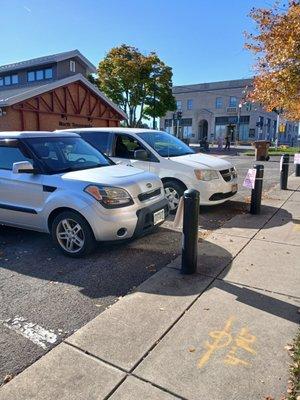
72,234
173,192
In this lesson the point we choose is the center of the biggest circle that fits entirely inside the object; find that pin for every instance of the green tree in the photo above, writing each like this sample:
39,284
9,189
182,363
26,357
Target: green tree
140,84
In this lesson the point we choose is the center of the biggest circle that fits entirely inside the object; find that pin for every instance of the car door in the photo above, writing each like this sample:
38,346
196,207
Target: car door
21,195
123,150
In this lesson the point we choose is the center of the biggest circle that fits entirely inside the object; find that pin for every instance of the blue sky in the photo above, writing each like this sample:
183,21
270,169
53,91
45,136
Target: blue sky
201,39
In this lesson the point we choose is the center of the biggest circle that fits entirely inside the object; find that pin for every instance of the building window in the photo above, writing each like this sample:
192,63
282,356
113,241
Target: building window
30,76
189,104
232,101
14,79
219,102
178,104
72,66
39,75
48,73
248,106
9,80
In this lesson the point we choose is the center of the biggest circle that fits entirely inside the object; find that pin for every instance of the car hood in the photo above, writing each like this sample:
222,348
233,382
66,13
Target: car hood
134,180
202,161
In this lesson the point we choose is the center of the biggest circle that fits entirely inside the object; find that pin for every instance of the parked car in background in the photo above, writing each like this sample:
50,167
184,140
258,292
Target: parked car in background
60,184
178,166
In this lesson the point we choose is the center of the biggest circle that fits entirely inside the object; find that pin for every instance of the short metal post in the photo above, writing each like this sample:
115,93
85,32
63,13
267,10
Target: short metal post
191,199
297,169
257,191
284,171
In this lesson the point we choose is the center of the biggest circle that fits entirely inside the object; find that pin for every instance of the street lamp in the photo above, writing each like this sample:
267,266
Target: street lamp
238,122
278,111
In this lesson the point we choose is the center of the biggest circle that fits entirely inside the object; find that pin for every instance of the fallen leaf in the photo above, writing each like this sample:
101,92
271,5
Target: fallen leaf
7,378
191,349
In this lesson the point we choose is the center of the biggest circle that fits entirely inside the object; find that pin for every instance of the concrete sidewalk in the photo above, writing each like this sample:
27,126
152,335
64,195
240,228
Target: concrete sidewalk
219,334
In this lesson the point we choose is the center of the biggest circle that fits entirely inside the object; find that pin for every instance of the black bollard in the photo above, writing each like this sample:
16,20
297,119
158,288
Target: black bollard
297,169
191,199
284,171
257,191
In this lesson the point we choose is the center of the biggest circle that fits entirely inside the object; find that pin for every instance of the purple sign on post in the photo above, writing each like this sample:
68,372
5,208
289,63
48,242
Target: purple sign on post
297,158
249,181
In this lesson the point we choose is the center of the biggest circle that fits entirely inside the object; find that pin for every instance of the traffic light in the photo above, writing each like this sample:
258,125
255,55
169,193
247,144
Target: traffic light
179,114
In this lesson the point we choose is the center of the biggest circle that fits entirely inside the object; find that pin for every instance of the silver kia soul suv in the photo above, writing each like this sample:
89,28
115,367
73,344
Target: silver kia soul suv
58,183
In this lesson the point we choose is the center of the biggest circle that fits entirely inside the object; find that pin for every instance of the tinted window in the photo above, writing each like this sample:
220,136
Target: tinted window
125,146
100,140
10,155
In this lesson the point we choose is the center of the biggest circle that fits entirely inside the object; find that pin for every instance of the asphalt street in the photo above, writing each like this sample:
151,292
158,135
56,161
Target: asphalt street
46,296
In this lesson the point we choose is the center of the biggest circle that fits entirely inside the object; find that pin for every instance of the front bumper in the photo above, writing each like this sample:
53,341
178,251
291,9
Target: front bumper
145,217
135,221
216,191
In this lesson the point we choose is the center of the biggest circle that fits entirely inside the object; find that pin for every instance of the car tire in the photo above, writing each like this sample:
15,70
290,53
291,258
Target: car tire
173,192
72,234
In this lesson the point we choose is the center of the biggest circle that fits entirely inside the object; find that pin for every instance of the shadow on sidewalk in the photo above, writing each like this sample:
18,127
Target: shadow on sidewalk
263,302
273,216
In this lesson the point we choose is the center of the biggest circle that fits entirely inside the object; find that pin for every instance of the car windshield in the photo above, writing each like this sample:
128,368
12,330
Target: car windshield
59,154
165,144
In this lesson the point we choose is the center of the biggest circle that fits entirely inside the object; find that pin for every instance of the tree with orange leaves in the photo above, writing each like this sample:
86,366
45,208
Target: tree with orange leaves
277,49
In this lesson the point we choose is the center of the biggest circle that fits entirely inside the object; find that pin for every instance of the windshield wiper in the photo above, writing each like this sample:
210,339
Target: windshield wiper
78,168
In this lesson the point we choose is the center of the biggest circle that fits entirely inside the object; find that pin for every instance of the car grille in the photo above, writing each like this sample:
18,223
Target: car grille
149,195
228,174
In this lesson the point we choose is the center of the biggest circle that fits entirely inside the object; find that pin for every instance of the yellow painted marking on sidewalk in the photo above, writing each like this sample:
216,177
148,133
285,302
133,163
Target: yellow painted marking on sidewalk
297,228
224,338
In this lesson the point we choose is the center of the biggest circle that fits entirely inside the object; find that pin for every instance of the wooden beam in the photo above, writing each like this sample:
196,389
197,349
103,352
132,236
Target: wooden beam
59,102
73,101
45,103
83,101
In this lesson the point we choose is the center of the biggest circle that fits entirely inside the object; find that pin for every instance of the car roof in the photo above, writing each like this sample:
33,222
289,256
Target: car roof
32,134
116,130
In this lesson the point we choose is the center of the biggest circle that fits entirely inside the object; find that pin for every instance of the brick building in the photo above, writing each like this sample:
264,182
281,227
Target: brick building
53,92
213,109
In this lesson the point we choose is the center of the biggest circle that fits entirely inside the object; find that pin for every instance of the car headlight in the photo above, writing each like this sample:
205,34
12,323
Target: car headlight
206,174
110,197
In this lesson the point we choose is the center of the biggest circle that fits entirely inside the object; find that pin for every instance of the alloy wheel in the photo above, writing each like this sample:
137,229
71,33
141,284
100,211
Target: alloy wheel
70,235
173,197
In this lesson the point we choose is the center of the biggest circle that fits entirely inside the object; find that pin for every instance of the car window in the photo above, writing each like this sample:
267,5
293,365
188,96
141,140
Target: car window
60,154
10,155
125,146
100,140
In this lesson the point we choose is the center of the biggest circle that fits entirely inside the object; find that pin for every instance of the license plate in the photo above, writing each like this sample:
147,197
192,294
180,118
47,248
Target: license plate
234,188
158,216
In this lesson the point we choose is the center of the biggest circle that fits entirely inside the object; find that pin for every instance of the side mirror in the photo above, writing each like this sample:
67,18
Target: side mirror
141,155
24,167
